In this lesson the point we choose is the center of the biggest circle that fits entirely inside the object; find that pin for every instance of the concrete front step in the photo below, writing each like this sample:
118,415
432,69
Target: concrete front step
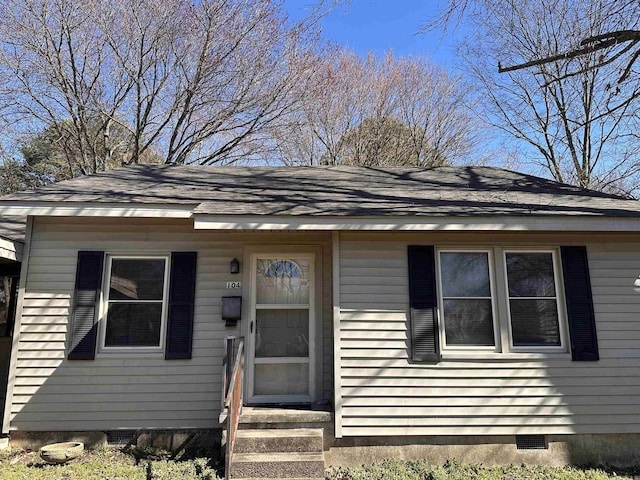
282,417
277,465
279,440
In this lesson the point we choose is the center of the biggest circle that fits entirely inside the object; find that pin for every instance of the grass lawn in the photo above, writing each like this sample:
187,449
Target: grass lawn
106,464
152,464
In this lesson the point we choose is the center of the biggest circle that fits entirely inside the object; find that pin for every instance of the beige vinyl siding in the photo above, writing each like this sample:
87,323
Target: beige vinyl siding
118,391
484,394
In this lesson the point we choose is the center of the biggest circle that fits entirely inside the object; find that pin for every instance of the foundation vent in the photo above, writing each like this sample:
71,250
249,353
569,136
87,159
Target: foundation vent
531,442
121,437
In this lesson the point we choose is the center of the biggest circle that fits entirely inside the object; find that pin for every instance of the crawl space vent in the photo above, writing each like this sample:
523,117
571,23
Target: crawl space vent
121,437
531,442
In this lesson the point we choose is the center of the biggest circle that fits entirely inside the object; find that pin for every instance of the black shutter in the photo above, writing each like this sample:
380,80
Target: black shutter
425,345
182,289
577,288
84,323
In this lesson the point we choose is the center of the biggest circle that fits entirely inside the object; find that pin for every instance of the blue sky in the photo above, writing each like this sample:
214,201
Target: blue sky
380,25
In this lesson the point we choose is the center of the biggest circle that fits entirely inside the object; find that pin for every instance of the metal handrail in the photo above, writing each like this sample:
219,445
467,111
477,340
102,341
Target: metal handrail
233,398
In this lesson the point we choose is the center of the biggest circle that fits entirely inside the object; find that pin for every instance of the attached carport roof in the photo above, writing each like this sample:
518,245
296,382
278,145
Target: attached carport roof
13,227
12,234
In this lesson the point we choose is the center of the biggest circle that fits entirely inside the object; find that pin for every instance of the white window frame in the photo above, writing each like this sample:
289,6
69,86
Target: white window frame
494,311
500,303
104,304
560,304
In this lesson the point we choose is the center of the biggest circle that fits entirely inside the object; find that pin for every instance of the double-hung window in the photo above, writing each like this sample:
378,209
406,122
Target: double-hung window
134,307
533,302
517,309
467,305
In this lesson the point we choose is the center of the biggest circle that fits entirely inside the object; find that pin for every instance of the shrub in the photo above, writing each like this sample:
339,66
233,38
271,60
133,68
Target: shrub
197,469
453,470
388,470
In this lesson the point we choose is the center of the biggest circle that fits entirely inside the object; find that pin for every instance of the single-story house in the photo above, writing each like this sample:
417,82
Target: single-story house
454,311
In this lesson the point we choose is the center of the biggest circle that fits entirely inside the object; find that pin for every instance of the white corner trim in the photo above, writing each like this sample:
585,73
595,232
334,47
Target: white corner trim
16,328
337,367
94,209
415,223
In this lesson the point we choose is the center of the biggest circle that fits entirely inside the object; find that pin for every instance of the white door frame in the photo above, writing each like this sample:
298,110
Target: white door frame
251,328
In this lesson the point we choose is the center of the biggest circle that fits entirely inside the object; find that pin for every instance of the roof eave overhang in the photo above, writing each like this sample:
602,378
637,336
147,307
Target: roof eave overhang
557,223
95,209
206,221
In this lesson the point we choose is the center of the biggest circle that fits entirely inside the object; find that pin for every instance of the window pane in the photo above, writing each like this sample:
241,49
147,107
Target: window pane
468,322
282,333
281,379
465,274
534,323
133,325
282,282
530,275
136,279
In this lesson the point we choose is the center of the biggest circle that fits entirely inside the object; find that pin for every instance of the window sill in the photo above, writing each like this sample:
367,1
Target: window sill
130,354
466,356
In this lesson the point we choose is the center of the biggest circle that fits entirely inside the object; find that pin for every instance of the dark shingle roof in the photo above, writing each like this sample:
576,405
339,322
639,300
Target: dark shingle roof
339,191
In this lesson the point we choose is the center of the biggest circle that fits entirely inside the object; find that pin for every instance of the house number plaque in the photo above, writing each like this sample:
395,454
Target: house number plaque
234,285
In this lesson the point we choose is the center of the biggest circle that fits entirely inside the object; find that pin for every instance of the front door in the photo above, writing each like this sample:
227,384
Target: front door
281,329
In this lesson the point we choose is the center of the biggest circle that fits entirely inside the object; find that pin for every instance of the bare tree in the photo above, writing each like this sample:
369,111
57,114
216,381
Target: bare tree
190,81
615,40
366,111
616,37
50,66
567,112
439,109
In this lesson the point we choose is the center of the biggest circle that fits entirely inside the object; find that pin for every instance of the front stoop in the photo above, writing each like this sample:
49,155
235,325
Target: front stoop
256,417
279,444
279,440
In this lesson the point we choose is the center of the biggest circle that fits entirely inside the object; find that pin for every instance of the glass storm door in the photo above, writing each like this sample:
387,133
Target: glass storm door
281,329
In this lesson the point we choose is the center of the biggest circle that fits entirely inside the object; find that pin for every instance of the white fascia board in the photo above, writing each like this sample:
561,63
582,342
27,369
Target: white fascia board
513,224
70,209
